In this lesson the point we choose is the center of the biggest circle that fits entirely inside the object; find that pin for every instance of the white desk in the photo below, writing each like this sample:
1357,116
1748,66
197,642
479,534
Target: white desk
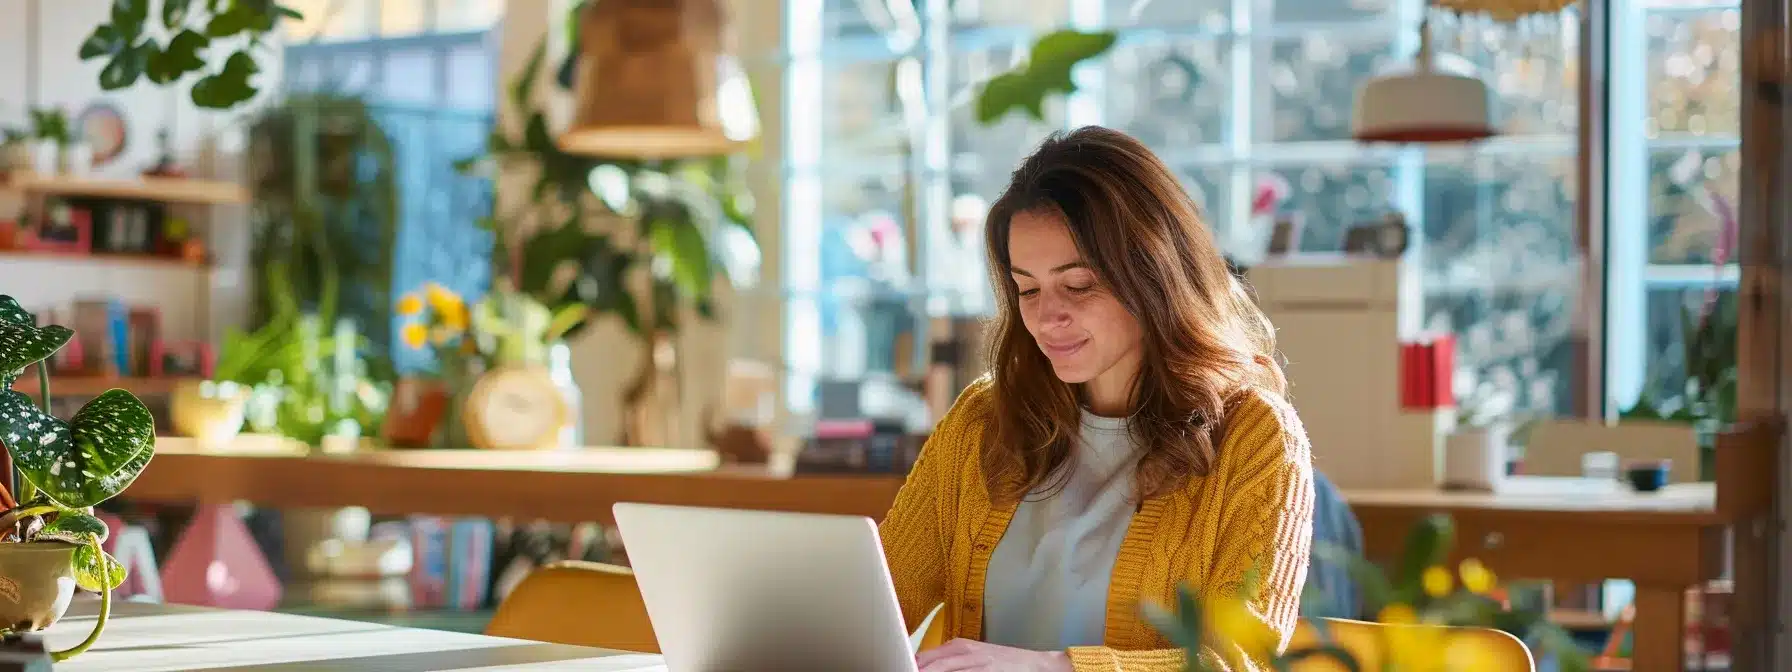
154,637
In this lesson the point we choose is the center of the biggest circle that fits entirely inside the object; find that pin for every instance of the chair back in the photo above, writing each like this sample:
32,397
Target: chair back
1477,649
578,603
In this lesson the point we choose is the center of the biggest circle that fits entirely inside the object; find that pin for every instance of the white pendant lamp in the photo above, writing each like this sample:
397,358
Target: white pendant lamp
1425,104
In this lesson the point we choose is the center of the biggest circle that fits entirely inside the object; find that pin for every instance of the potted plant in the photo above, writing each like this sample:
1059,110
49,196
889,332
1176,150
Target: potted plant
50,140
1478,447
1421,590
50,540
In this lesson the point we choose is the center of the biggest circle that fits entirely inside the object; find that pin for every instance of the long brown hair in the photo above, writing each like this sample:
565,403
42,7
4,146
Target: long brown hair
1205,340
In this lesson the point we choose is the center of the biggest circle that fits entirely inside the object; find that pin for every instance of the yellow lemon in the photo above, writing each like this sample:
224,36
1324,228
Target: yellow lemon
410,304
1234,622
1438,582
1476,577
414,335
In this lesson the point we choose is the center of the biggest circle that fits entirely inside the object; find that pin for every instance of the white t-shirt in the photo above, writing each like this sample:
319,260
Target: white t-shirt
1047,586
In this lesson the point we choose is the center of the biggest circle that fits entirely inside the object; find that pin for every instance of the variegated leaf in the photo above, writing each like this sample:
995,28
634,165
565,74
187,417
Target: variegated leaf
82,463
22,342
75,527
96,570
11,311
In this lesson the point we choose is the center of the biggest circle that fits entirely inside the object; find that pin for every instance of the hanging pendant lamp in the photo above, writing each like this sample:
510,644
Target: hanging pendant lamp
657,80
1425,104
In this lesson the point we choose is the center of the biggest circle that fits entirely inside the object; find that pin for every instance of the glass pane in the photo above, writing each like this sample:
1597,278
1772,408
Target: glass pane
1310,83
402,17
1500,222
410,77
459,15
1313,11
1029,14
331,19
1533,71
983,157
1209,14
470,78
1694,73
861,113
896,21
1169,94
1327,198
865,278
1513,344
1692,205
1669,311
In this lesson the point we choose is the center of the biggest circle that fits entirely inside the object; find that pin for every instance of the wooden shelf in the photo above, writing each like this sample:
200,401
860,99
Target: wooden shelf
155,260
84,386
159,189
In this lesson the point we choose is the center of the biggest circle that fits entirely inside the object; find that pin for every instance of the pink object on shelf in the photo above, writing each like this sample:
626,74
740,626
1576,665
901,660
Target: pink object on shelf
216,563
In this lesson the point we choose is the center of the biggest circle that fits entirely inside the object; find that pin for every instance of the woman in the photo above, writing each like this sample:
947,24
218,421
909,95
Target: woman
1132,435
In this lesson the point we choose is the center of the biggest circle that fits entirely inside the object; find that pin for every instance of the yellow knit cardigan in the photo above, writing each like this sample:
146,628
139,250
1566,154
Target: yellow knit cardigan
1254,508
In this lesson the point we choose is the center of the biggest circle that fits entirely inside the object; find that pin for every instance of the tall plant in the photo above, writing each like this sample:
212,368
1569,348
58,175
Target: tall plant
691,219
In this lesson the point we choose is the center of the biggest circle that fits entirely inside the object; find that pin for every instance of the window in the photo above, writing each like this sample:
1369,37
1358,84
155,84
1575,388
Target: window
428,69
1241,97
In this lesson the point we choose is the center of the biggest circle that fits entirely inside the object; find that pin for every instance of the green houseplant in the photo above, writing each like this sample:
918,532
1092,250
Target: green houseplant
64,469
183,37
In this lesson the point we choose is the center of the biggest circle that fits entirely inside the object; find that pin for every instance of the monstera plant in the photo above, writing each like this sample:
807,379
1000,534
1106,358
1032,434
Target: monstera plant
62,470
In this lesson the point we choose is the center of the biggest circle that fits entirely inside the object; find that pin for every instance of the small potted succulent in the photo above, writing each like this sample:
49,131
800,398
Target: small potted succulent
50,539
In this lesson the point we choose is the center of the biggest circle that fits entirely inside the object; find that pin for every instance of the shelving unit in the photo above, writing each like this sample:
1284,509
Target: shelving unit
157,189
151,260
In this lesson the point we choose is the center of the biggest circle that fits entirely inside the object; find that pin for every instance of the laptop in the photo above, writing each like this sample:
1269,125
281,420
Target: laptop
732,590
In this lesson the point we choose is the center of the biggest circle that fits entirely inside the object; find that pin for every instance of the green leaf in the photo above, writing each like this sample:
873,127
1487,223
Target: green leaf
174,13
105,41
681,242
1167,624
1057,53
1377,592
1006,92
128,17
126,66
1427,545
97,570
523,86
537,139
228,23
289,13
84,462
22,343
75,527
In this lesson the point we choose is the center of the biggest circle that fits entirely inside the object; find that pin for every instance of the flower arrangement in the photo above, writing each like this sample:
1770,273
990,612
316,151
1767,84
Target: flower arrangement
64,469
505,328
1422,591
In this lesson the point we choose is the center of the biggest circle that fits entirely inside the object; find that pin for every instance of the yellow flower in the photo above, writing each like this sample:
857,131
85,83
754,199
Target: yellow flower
1476,577
441,298
1397,614
1438,582
453,315
409,305
414,335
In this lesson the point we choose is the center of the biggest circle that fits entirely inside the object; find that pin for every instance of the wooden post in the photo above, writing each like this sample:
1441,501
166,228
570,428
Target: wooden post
1763,369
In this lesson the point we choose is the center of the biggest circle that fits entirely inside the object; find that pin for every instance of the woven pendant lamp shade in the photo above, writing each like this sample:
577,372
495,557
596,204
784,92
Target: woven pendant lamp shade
657,80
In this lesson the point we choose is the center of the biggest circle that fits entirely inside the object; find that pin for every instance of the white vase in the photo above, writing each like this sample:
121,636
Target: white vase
46,157
1475,457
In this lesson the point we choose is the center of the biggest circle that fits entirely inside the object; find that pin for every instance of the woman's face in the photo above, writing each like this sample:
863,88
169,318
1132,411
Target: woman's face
1079,325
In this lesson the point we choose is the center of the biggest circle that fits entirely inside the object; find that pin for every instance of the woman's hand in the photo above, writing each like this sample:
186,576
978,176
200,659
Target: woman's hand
965,655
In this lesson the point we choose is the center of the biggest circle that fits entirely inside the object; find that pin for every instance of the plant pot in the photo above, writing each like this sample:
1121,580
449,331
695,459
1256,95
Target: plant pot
78,159
1475,457
46,157
37,581
209,411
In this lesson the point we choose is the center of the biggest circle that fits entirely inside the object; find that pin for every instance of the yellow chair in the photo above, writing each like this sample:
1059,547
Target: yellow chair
579,603
1490,650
